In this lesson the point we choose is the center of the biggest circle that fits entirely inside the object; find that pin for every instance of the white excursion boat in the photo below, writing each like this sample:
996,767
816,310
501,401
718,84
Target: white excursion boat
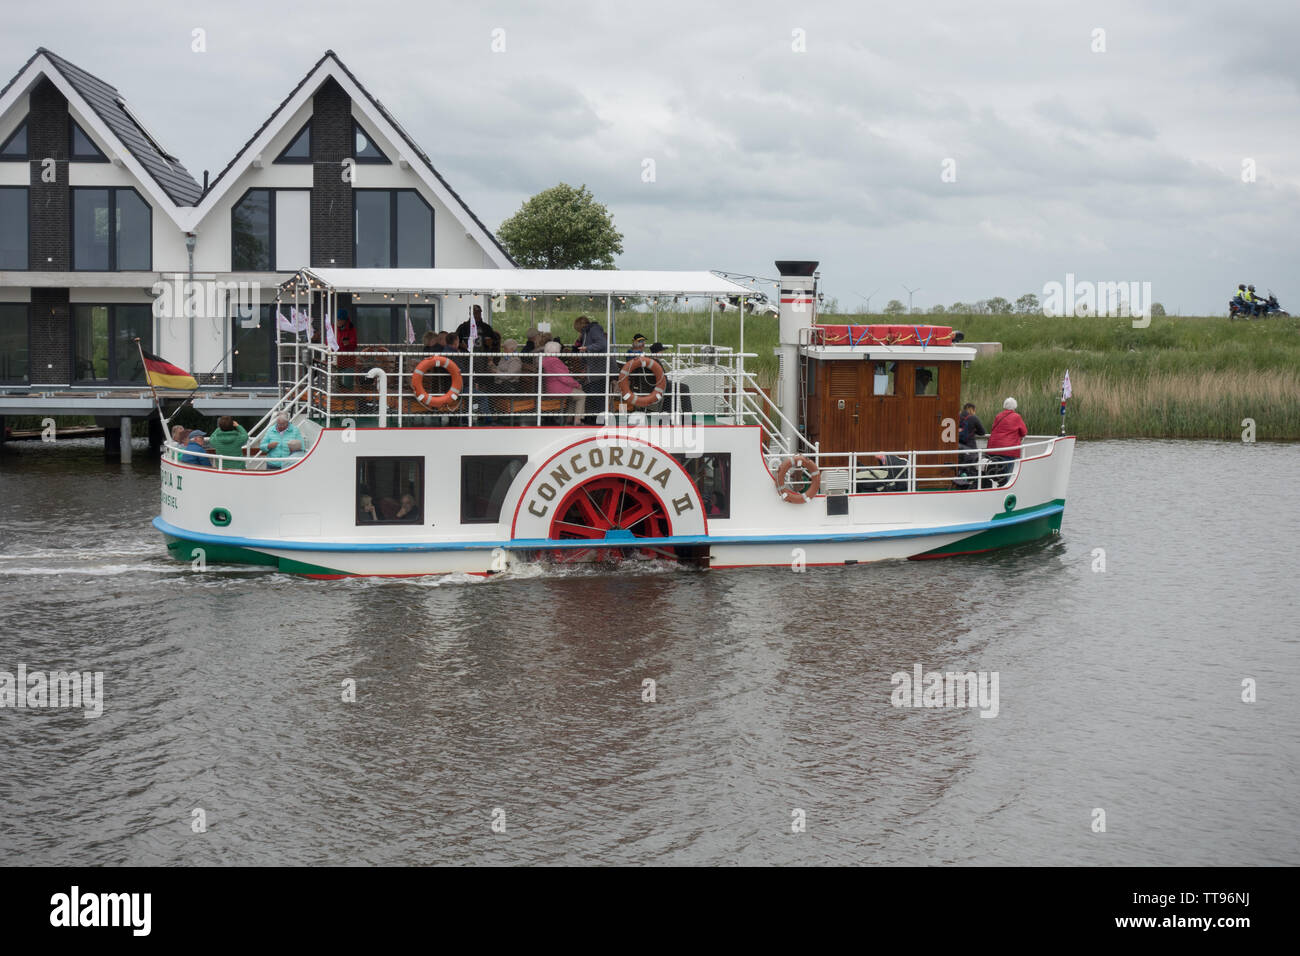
416,462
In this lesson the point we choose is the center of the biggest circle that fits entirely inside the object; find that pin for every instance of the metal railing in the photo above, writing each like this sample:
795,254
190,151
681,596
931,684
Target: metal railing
944,469
701,383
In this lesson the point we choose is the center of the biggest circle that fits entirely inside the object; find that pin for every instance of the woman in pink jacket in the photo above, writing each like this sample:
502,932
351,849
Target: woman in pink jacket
557,381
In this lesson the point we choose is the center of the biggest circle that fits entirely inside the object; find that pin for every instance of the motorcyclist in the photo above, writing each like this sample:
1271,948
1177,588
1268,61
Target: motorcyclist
1255,302
1239,299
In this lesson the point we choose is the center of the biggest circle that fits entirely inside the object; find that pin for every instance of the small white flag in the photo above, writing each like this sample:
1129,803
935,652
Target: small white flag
1066,391
331,340
410,329
282,323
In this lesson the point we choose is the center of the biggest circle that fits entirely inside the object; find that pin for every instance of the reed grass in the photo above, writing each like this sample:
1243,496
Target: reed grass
1181,377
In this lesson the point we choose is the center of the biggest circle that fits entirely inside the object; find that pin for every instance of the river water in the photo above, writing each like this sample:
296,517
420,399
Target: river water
518,701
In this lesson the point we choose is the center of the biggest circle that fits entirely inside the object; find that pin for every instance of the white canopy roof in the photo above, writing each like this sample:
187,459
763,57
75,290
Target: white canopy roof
528,281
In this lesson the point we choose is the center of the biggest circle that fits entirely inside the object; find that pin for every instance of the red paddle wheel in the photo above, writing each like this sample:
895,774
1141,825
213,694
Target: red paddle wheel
609,508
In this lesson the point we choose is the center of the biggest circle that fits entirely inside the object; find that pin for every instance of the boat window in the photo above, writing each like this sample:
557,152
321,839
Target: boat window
882,382
484,482
390,491
927,380
711,473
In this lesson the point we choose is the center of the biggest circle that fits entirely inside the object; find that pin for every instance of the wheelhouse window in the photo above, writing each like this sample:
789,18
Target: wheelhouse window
393,229
14,147
13,227
390,491
927,380
882,378
299,148
14,339
104,348
485,481
364,150
84,149
711,473
111,230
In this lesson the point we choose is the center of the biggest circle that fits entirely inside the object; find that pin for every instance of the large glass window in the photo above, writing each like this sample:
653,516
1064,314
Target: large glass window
414,232
133,239
13,227
386,324
125,245
927,380
250,232
374,229
253,362
104,348
394,229
390,491
13,342
485,481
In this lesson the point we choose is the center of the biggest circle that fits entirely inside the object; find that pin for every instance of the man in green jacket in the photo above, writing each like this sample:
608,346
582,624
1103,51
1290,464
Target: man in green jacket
229,439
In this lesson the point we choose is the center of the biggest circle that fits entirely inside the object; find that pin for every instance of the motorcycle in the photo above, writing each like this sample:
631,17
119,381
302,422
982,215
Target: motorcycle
1270,307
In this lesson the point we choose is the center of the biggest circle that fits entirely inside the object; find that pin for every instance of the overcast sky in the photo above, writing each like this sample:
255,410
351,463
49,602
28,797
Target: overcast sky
1119,165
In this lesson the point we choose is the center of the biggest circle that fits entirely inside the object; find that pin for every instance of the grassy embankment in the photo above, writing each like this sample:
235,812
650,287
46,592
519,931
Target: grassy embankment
1178,378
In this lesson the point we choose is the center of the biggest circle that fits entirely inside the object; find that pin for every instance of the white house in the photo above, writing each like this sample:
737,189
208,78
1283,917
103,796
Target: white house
329,179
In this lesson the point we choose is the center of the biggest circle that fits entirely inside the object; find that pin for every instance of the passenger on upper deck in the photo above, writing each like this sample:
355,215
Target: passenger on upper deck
473,328
558,381
592,339
283,440
180,434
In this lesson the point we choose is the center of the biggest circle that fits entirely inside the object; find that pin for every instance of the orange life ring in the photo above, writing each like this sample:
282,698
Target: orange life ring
808,467
447,398
625,382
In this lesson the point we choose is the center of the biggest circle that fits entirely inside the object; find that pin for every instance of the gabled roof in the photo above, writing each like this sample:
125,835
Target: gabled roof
112,110
329,65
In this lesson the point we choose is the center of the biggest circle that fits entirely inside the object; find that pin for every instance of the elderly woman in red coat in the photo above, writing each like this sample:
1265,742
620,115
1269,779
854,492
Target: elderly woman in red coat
1004,439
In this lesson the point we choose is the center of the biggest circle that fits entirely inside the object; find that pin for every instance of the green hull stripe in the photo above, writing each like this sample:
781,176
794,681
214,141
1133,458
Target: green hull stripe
183,550
1018,533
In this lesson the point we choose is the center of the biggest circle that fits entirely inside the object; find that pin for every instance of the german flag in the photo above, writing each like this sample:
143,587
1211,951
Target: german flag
163,374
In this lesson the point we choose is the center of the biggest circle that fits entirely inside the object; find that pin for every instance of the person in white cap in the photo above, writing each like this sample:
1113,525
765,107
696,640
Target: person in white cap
1008,432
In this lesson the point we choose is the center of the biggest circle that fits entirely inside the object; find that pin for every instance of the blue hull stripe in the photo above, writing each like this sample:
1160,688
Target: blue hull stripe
519,544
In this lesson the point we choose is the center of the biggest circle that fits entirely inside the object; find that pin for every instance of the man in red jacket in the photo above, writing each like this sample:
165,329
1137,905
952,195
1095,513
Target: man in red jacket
1008,432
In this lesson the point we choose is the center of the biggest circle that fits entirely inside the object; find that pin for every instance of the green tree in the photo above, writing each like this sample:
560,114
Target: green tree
936,309
960,308
895,308
1027,304
999,306
1157,308
562,228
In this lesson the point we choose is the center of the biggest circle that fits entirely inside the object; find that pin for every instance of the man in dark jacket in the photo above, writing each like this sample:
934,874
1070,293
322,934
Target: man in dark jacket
968,429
